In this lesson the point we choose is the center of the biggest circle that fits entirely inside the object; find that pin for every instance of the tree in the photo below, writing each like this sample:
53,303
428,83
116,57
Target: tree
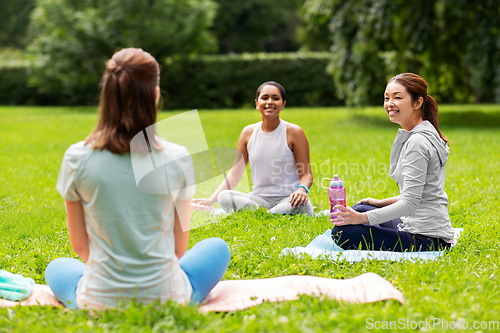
313,31
76,37
14,16
257,25
453,44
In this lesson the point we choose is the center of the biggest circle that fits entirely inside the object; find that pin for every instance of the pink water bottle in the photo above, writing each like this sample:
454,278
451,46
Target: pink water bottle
336,192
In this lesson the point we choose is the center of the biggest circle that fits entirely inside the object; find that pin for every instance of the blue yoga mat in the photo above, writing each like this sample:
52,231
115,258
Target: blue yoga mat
324,246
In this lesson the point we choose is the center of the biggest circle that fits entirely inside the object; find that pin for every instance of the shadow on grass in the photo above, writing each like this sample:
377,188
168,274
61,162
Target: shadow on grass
468,119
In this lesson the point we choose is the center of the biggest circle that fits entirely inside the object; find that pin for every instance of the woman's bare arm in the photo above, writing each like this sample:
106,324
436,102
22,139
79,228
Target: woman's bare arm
297,141
181,226
76,229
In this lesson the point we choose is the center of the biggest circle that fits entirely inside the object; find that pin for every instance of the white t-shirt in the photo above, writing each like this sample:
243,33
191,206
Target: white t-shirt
131,239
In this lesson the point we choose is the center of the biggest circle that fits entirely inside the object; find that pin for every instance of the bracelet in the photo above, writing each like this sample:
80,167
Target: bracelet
305,188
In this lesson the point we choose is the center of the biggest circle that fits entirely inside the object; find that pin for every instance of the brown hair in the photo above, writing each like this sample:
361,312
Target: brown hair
417,87
128,100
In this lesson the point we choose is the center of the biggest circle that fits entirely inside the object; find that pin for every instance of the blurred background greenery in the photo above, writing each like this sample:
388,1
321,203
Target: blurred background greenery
214,53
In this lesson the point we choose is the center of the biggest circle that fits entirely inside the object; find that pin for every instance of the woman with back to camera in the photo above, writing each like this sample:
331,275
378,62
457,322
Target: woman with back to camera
417,219
278,153
133,244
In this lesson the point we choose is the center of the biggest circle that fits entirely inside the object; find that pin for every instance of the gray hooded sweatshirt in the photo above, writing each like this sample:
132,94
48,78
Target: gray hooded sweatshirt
418,158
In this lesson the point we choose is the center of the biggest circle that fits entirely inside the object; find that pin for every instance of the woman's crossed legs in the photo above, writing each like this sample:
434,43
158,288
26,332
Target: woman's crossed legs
383,237
231,201
204,264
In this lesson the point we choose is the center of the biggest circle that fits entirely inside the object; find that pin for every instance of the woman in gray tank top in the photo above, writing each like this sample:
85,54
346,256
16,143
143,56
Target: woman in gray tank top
278,153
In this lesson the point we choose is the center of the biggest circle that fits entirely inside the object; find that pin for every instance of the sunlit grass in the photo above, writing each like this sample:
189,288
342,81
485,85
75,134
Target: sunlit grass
463,284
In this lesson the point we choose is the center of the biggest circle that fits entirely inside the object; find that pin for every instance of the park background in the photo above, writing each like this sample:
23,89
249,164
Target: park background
213,53
334,58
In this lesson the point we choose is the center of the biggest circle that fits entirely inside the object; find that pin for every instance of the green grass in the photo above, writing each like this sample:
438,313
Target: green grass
461,285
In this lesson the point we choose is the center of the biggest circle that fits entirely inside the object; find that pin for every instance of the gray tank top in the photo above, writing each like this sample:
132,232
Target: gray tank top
274,169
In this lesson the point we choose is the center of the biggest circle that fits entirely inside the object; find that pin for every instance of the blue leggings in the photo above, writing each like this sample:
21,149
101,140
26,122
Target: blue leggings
204,264
384,237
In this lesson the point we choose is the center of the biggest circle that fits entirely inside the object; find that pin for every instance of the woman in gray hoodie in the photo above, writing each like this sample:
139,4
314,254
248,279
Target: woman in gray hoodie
417,219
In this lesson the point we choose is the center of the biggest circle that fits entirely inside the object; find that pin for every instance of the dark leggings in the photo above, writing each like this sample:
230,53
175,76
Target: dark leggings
385,236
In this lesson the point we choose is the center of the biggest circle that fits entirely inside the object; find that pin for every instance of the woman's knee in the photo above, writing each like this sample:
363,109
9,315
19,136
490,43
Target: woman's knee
337,232
221,248
363,207
224,200
62,276
231,200
54,269
345,233
223,196
212,247
340,237
308,208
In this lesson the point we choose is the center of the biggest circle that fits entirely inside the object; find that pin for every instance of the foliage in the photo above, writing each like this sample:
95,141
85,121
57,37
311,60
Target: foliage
247,26
14,74
451,43
75,38
462,285
256,25
205,81
14,18
13,87
12,57
313,32
231,80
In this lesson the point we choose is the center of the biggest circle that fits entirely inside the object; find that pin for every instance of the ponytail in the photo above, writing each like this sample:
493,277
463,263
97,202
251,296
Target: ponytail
127,104
429,111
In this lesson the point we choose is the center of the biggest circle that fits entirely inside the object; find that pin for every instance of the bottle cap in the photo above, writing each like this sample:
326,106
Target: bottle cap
336,182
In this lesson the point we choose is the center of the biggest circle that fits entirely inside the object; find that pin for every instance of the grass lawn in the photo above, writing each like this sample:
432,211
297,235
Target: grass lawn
462,286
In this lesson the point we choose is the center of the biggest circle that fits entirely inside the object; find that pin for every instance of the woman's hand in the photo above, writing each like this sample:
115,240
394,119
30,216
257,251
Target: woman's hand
347,216
371,201
203,202
298,198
